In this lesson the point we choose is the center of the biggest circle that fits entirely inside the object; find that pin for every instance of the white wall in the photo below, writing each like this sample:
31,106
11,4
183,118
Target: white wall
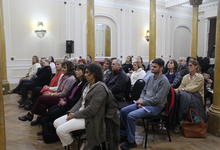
128,21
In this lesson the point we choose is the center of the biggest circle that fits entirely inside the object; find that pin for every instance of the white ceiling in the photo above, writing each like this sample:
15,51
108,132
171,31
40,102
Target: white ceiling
174,3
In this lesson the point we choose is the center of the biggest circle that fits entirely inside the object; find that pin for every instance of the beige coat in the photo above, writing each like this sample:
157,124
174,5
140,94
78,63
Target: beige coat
194,84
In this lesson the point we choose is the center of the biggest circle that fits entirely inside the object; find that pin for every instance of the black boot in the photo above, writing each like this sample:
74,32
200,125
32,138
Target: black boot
29,116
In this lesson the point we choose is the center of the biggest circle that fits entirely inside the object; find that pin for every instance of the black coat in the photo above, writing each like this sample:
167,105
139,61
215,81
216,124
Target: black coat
43,76
71,102
127,67
118,84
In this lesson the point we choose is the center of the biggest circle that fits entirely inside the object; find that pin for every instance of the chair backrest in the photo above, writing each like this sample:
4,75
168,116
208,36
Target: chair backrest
137,89
170,101
128,89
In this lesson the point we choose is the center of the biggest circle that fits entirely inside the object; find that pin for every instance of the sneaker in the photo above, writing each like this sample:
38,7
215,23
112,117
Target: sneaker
26,117
127,145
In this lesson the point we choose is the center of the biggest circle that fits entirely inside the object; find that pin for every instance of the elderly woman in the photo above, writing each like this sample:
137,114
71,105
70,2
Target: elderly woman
52,98
88,113
191,91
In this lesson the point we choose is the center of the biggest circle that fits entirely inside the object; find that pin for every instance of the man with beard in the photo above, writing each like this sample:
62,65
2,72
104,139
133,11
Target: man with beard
151,102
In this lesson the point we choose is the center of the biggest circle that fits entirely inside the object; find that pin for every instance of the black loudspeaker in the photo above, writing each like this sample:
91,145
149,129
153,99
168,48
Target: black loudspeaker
69,46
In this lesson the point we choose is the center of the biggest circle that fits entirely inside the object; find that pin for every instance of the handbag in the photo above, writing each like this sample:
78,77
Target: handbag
195,127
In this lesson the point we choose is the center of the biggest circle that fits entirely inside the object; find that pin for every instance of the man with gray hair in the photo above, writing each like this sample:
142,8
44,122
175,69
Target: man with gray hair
118,82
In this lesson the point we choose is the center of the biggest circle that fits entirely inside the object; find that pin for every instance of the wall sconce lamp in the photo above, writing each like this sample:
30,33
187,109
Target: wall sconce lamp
40,31
147,36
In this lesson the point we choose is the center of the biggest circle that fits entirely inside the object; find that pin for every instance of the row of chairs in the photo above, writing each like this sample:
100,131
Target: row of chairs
161,119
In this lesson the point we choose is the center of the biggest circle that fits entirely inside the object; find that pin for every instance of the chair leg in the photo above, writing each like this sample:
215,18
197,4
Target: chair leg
67,147
168,132
78,143
146,135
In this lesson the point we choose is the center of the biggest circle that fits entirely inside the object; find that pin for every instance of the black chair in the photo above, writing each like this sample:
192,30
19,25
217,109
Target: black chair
132,93
126,95
162,118
79,137
137,89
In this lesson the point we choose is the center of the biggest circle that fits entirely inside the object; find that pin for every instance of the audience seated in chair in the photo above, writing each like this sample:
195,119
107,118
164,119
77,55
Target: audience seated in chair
150,103
88,113
42,77
127,66
69,101
106,69
118,82
190,93
52,98
52,87
137,73
171,70
31,73
52,65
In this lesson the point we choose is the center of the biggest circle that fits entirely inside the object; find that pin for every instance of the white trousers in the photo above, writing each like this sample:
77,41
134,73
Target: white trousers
64,127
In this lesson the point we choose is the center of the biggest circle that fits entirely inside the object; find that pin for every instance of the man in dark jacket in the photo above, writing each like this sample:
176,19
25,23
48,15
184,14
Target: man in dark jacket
118,82
42,78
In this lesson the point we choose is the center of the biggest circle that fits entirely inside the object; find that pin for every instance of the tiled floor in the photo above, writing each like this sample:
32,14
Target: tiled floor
21,136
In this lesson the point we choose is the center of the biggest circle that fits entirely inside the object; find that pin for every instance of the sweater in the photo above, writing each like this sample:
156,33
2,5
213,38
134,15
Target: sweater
155,91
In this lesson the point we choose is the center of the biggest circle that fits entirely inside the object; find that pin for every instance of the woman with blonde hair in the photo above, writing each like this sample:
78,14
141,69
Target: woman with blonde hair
138,72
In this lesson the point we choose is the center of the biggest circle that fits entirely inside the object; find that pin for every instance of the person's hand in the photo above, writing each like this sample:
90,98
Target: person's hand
139,102
176,90
206,76
46,86
62,102
70,116
209,81
54,94
46,93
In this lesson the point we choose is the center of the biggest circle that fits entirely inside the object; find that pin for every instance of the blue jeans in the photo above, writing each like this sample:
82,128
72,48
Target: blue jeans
130,113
